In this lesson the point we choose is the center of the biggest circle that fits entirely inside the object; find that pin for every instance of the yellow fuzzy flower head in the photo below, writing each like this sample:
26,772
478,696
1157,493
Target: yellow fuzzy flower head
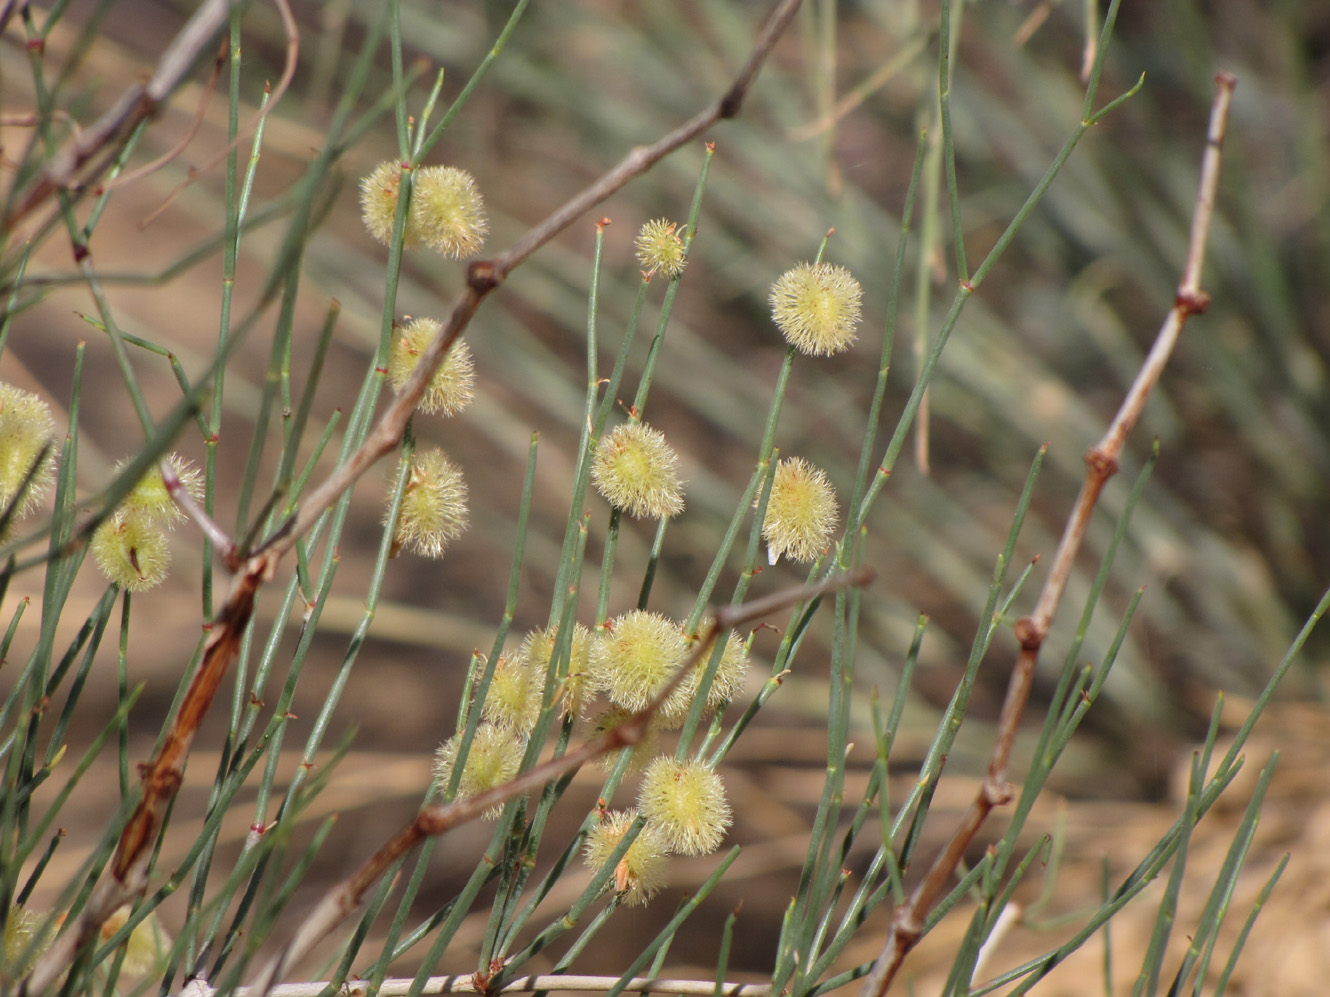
378,204
660,248
642,752
536,651
801,512
447,211
494,758
640,874
514,695
816,307
453,385
151,498
26,427
146,948
637,472
686,802
434,511
635,656
131,550
21,925
728,680
130,546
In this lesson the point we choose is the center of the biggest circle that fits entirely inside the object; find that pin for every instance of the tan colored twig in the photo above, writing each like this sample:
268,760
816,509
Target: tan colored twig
435,820
1102,463
139,102
162,776
272,97
527,984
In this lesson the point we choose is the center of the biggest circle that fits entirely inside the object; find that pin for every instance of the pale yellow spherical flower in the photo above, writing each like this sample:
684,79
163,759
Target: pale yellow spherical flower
21,925
642,752
635,655
576,681
26,428
660,248
801,512
728,680
514,696
453,385
493,759
131,550
686,802
378,205
152,499
434,511
640,873
637,472
447,211
146,948
816,306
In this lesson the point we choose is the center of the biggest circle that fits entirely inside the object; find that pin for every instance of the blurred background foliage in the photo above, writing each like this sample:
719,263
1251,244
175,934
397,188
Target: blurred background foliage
1231,540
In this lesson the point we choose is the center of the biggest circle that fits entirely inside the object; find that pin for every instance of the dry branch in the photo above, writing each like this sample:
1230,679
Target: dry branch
137,103
1102,463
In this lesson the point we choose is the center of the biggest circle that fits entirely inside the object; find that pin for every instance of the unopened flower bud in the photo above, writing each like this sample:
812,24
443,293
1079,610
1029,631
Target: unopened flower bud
378,204
514,696
131,550
635,656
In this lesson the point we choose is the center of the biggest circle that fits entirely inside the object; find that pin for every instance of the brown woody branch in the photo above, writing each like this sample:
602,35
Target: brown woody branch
162,776
1102,463
139,102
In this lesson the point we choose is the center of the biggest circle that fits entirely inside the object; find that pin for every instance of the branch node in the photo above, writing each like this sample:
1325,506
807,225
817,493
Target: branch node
1101,462
1029,633
732,102
1192,301
481,277
998,792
